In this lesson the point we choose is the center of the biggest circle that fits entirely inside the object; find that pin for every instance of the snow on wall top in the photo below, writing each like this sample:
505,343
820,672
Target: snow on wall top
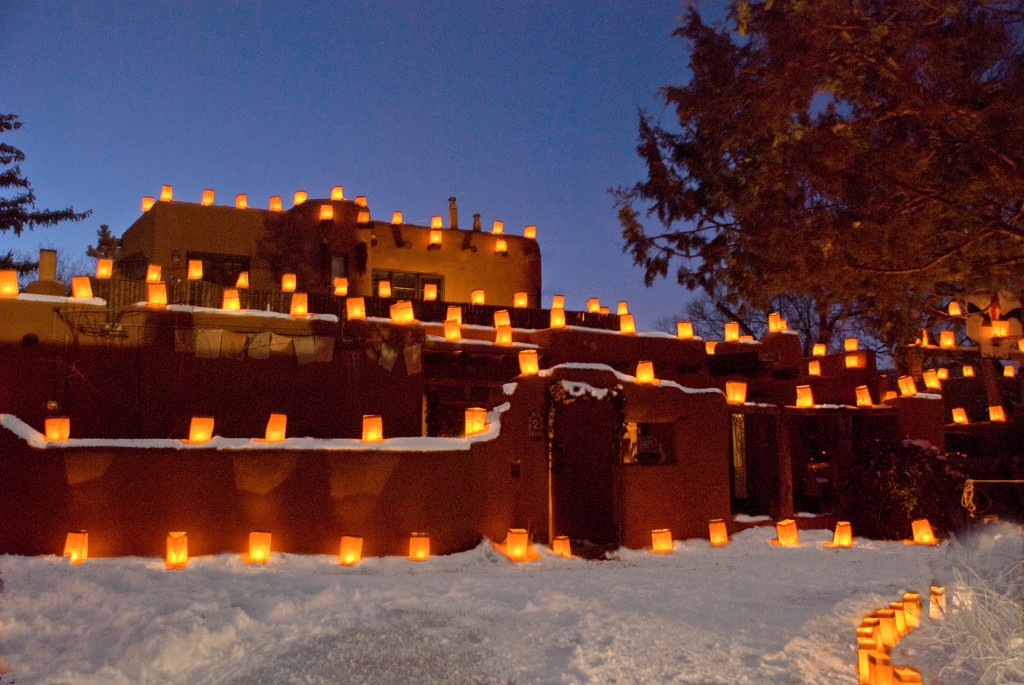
411,444
58,299
189,309
625,378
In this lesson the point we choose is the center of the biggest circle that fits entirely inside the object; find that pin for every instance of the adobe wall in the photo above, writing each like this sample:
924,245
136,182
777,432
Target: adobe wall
129,499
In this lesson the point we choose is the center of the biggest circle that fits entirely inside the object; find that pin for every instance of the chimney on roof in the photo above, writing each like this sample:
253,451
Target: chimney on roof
453,214
476,222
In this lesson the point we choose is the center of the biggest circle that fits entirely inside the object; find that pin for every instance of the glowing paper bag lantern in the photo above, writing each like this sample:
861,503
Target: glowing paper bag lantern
901,619
57,428
396,218
851,344
863,396
76,547
147,203
153,273
452,330
242,282
177,551
498,227
907,386
364,216
736,392
517,543
645,373
626,325
561,546
528,363
843,535
593,305
959,415
557,318
775,322
717,533
81,287
968,371
520,300
954,309
1008,371
435,221
429,292
924,337
275,203
454,313
684,330
373,428
786,534
200,430
732,332
476,420
104,268
501,246
156,295
942,373
887,632
746,338
501,318
435,237
558,301
604,310
905,675
166,193
814,368
299,305
419,547
503,335
477,297
890,395
355,308
530,232
661,540
351,550
195,270
623,308
299,197
337,193
912,609
241,201
931,380
326,212
856,360
879,668
1000,329
401,312
383,288
865,646
207,198
996,414
936,602
340,286
361,200
922,530
276,427
259,547
804,396
288,282
819,350
709,347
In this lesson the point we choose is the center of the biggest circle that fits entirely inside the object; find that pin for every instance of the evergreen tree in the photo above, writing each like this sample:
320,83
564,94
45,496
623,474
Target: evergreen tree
107,246
861,153
19,212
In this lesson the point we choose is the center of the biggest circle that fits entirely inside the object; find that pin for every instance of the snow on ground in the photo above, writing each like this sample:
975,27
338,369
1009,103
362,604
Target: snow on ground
746,613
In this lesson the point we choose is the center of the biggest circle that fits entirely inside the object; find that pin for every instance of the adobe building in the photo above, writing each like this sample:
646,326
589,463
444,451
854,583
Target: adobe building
585,441
323,239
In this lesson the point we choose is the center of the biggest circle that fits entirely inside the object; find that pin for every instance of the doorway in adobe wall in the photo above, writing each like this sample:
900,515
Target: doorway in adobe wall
585,445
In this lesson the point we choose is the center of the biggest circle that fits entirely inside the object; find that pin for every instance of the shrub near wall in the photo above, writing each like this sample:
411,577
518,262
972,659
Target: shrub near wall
892,482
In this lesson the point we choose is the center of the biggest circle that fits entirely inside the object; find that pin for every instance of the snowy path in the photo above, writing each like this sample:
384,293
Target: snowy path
746,613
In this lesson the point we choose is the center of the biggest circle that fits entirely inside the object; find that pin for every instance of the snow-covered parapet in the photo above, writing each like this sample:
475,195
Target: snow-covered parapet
626,378
406,444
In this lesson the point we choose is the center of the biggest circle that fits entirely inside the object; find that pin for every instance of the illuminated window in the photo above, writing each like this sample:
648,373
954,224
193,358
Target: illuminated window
406,285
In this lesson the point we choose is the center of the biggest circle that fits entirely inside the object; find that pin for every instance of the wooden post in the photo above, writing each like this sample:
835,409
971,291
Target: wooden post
781,506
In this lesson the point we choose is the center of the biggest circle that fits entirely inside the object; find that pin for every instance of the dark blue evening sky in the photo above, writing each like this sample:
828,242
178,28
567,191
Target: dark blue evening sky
525,111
